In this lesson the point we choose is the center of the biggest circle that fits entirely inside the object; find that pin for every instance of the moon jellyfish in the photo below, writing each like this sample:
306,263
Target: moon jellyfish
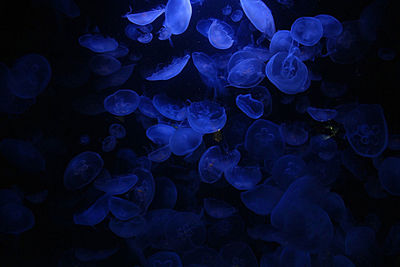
250,106
82,170
165,259
206,116
263,95
260,16
307,31
321,114
123,209
98,43
170,108
142,192
117,130
238,254
160,133
144,18
109,143
145,38
287,72
326,148
184,141
263,140
331,26
203,26
147,108
166,194
386,54
243,177
208,70
294,134
218,208
220,34
227,10
104,65
122,102
287,169
23,155
366,130
117,185
246,73
237,15
389,175
121,51
169,71
281,42
177,16
160,155
128,229
15,218
117,78
261,199
95,214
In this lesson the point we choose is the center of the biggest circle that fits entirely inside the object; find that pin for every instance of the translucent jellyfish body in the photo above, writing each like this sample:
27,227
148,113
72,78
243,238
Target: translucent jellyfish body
261,199
129,228
260,16
142,193
170,108
331,26
160,154
98,43
177,16
165,258
146,17
117,185
250,106
206,116
170,70
123,209
307,31
321,114
227,10
122,102
109,143
147,108
246,73
218,208
185,141
287,169
160,133
220,34
104,65
117,130
263,95
95,214
243,177
294,133
280,42
15,218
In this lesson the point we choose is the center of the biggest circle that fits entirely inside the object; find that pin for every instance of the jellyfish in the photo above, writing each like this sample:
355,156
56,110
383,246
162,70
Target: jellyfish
250,106
132,32
184,141
98,43
121,51
326,171
177,17
260,16
331,26
226,10
203,26
109,143
128,229
261,199
262,94
218,208
117,130
116,185
325,147
386,53
160,154
237,15
287,169
170,108
247,73
118,78
206,116
170,71
307,31
95,214
208,70
287,73
263,140
145,38
366,130
321,114
389,175
15,218
144,18
121,103
281,42
260,52
166,194
164,258
147,108
238,254
243,177
160,133
104,65
220,34
142,193
239,56
123,209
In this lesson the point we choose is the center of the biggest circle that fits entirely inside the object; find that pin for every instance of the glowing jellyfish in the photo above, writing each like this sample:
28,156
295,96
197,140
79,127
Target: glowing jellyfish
98,43
165,258
144,18
208,70
334,205
169,71
121,51
331,26
115,79
243,177
30,75
95,214
321,114
109,143
263,95
145,38
218,208
260,16
160,133
177,16
238,254
237,15
280,42
250,106
389,175
122,102
161,154
142,192
261,199
287,169
206,116
184,141
166,194
307,31
220,34
128,229
287,73
366,130
262,53
117,185
123,209
104,65
170,108
239,56
227,10
147,108
117,130
247,73
263,140
203,26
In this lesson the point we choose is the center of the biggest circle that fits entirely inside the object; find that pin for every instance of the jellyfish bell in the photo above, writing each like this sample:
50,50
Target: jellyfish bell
169,71
146,17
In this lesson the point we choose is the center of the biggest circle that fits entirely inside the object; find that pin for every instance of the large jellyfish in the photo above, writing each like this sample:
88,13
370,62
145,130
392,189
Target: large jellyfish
177,17
169,71
220,34
144,18
98,43
123,209
170,108
203,26
116,185
307,31
261,199
95,214
206,116
208,70
122,103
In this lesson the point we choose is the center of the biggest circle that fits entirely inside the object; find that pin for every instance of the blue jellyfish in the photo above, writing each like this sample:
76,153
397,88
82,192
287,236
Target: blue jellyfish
95,214
128,229
166,194
309,52
184,141
146,17
237,15
287,169
98,43
226,10
334,205
325,147
220,34
160,133
104,65
117,130
261,199
118,78
109,143
117,185
247,73
238,254
218,208
177,17
133,32
169,71
239,56
15,218
263,140
147,108
250,106
142,192
331,26
206,116
366,130
321,114
164,259
145,38
260,16
287,73
280,42
170,108
82,170
261,52
386,53
307,31
23,155
121,103
243,177
389,175
208,70
121,51
123,209
203,26
294,133
160,154
263,95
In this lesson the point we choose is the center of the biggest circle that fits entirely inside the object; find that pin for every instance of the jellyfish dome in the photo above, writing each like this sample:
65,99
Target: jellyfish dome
246,73
170,108
104,65
206,116
184,141
220,34
250,106
177,16
146,17
122,102
280,42
260,16
169,71
98,43
331,26
307,31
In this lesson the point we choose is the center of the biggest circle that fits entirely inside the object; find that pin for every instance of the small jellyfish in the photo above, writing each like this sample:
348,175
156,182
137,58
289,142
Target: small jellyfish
128,229
250,106
243,177
287,169
237,15
160,133
177,16
145,38
239,56
307,31
98,43
95,214
82,170
261,199
218,208
144,18
321,114
206,116
263,95
247,73
117,185
15,218
142,192
104,65
389,175
164,259
169,107
118,78
331,26
122,102
123,209
220,34
160,155
203,26
109,143
169,71
227,10
185,141
280,42
147,108
386,54
117,130
238,254
294,134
